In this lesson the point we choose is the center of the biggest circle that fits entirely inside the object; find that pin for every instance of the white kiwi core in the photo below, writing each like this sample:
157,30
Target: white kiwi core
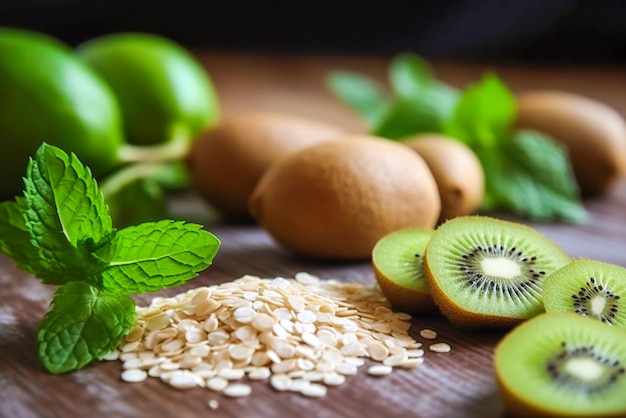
598,304
500,267
584,368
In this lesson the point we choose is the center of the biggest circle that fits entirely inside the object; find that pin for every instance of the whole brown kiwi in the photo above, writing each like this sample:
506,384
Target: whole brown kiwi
335,200
593,132
457,171
226,162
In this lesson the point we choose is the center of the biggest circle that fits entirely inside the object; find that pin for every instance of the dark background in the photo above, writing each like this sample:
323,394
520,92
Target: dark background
591,31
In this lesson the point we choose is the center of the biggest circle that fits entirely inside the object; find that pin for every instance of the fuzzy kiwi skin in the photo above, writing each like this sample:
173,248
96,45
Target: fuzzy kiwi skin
226,162
335,200
457,171
518,407
593,133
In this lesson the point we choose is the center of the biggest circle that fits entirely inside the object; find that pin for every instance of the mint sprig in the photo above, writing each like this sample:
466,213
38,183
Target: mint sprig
419,103
61,232
527,173
422,103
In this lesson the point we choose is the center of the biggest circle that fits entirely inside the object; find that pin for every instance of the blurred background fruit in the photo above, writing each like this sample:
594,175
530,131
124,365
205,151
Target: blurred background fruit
49,95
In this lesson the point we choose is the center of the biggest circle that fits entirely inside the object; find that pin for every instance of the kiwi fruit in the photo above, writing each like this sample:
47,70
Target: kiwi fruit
484,271
589,288
226,162
336,199
563,365
457,171
397,261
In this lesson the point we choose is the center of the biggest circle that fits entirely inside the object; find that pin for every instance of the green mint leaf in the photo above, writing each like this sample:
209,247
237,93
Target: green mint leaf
70,195
409,75
359,93
422,104
423,112
155,255
404,119
531,176
65,215
15,238
484,114
84,324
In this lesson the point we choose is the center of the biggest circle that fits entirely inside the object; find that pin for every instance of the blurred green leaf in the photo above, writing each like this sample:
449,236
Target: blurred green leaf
531,175
409,75
360,93
426,112
484,114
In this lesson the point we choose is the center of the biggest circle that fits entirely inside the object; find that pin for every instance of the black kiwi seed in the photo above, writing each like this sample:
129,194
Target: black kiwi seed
556,368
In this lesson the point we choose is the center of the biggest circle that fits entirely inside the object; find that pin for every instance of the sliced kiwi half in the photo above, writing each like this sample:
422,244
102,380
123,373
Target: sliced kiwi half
589,288
563,365
484,271
397,260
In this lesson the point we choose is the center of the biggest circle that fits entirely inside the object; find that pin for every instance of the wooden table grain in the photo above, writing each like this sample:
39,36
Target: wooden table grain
458,384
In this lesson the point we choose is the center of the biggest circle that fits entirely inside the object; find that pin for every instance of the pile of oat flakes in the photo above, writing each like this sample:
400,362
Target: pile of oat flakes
301,334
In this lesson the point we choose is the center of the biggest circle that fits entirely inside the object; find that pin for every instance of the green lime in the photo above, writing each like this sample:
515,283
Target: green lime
163,91
49,95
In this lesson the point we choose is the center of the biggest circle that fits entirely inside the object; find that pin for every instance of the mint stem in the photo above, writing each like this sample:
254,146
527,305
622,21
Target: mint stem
145,161
173,150
115,182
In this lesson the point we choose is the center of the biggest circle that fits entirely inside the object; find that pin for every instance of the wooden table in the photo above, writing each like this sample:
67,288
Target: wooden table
457,384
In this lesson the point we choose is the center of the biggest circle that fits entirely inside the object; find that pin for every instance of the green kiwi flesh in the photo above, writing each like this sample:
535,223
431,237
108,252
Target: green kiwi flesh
563,365
589,288
488,271
399,256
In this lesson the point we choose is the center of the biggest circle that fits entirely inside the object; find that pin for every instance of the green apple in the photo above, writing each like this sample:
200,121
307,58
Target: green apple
163,91
48,94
